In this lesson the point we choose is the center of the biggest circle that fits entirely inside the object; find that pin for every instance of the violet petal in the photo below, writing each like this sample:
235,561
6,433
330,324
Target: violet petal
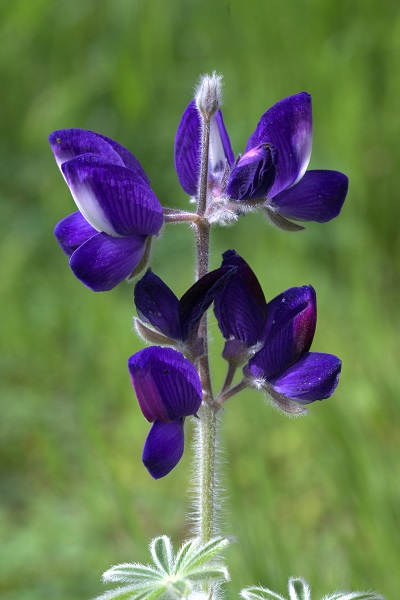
313,377
112,198
288,127
166,383
240,307
157,304
104,261
69,143
130,161
199,297
254,174
290,334
318,196
72,232
163,448
187,149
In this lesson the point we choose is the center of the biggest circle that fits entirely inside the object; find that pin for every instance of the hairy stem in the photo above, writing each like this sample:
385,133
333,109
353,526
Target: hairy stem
205,151
203,245
207,465
203,240
206,439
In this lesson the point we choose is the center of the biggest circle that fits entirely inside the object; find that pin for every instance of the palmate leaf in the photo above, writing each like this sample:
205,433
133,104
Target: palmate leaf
300,590
171,577
354,596
260,593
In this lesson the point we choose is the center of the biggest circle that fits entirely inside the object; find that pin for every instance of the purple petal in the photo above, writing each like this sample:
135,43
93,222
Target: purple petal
313,377
166,383
157,304
104,261
240,308
69,143
112,199
130,161
163,448
254,174
187,149
199,297
220,145
290,334
271,310
288,127
72,232
318,196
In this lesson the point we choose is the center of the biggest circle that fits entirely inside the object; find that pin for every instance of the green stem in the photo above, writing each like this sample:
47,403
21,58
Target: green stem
203,243
207,449
206,439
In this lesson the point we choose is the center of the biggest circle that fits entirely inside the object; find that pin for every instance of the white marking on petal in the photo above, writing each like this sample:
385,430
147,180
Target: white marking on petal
217,155
89,206
303,143
62,159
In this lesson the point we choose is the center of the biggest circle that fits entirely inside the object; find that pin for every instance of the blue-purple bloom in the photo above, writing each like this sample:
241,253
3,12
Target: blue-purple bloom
274,338
272,170
178,320
168,389
118,211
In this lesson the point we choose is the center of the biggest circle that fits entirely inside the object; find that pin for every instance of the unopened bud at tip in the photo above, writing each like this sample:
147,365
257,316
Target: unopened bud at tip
208,94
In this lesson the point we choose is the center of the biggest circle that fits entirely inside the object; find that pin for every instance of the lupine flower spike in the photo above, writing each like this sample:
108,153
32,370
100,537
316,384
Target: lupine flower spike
270,175
274,339
108,238
168,389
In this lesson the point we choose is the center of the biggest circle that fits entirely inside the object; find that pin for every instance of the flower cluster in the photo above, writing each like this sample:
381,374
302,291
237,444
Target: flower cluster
272,339
272,173
108,241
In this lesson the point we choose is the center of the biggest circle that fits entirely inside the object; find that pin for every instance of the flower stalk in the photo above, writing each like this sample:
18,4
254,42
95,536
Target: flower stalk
205,441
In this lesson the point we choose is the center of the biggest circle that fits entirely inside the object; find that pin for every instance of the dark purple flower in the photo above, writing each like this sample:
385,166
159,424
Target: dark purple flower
168,389
178,319
275,338
118,211
273,167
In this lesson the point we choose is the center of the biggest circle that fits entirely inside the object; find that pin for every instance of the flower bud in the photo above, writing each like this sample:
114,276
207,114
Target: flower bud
208,94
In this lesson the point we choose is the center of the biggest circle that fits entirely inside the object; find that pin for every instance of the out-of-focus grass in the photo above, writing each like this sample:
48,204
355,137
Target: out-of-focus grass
317,496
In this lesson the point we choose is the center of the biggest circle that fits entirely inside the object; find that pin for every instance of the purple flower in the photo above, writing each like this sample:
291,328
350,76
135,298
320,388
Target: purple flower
118,211
178,320
168,389
272,170
274,338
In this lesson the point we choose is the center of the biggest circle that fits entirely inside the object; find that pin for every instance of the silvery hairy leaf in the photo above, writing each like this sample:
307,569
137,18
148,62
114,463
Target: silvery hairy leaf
172,576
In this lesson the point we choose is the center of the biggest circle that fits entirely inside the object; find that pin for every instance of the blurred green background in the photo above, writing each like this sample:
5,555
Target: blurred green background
318,496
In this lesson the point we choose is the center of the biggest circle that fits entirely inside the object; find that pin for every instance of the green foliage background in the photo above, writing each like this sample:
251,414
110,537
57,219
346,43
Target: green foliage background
318,496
